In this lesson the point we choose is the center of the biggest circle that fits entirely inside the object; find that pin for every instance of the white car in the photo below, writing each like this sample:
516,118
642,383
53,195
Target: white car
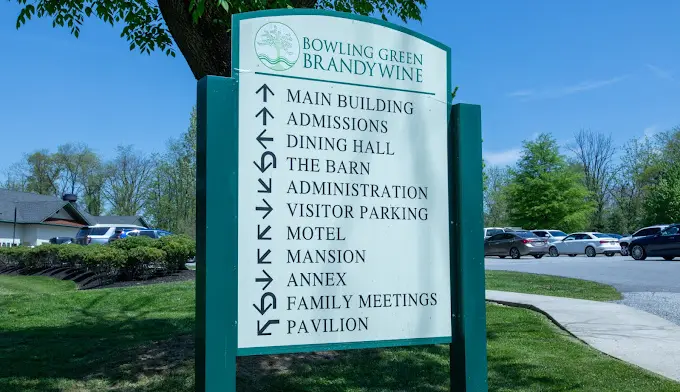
589,243
550,235
645,231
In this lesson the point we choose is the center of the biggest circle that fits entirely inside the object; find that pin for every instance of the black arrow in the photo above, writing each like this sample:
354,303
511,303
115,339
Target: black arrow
262,166
264,90
261,258
260,330
264,112
268,208
268,279
272,305
261,234
264,139
265,188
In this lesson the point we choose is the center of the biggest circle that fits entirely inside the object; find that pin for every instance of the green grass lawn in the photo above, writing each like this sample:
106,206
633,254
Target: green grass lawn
555,286
54,338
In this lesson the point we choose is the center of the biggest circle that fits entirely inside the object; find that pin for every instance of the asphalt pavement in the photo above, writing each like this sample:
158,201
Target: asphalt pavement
652,285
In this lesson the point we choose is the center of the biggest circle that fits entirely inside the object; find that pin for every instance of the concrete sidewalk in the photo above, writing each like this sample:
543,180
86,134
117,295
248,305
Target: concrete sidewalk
631,335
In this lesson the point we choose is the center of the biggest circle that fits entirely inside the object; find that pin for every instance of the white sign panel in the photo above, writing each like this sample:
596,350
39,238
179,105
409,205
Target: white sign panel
343,184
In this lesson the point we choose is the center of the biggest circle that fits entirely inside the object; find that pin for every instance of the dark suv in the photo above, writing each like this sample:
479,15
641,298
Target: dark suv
665,243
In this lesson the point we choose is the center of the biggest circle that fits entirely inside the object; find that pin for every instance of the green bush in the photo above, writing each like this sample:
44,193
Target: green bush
129,243
43,256
179,249
16,256
105,259
72,254
144,260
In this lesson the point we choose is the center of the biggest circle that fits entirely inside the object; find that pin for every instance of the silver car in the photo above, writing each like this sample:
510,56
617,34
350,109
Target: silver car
515,244
550,235
101,234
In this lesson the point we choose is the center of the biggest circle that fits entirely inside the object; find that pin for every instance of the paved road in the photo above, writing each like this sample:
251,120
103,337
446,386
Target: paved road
651,285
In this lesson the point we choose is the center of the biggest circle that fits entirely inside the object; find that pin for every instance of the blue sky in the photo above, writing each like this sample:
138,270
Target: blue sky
534,66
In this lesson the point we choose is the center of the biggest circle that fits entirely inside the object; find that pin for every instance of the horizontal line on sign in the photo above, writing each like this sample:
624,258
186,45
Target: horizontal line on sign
345,83
246,351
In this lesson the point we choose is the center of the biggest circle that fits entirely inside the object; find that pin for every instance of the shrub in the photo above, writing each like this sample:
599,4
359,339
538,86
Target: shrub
143,260
72,254
178,249
129,243
42,256
15,256
104,259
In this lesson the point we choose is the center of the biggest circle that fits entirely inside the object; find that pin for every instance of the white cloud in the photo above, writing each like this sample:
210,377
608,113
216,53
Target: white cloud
559,92
502,158
660,72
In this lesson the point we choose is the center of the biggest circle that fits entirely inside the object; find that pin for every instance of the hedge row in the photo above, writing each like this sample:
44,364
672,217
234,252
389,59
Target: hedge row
128,258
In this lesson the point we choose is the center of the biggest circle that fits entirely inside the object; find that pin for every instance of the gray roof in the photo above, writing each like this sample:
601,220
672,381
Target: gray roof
35,208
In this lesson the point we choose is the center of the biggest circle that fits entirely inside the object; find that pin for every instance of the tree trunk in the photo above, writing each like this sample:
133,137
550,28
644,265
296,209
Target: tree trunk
206,46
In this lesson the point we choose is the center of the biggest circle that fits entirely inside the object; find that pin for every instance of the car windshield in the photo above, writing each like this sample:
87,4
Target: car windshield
601,235
557,233
526,234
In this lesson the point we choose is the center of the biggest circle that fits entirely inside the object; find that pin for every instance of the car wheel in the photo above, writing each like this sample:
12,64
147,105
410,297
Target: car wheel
501,257
609,254
553,251
538,256
668,258
638,252
572,255
590,252
514,253
624,250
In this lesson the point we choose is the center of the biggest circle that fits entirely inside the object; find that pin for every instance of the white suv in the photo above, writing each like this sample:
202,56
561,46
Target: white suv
645,231
491,231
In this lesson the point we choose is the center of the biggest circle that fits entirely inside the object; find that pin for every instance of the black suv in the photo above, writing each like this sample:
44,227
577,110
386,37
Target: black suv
665,243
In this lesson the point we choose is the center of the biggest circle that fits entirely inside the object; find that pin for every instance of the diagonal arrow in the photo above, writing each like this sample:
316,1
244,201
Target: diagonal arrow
262,258
265,188
264,139
272,305
264,90
261,234
261,330
268,279
268,208
264,165
264,112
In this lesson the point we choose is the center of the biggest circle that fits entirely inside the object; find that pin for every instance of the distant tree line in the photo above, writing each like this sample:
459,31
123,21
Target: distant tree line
161,187
588,184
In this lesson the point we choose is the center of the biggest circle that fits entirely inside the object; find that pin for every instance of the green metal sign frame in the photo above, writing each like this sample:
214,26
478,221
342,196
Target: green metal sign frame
217,233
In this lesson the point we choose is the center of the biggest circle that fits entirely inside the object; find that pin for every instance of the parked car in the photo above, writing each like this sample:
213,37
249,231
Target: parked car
550,235
589,243
665,243
515,244
61,240
120,233
151,233
614,235
491,231
624,242
101,233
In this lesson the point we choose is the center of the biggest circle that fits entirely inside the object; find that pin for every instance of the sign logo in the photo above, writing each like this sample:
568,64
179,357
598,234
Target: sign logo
277,46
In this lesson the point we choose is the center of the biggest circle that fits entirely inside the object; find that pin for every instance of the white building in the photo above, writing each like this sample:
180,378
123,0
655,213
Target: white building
30,219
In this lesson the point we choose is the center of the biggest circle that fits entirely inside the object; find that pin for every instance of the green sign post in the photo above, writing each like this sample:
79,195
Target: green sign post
339,197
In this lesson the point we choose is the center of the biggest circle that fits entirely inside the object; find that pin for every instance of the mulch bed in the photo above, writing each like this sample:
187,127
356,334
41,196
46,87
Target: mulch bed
180,276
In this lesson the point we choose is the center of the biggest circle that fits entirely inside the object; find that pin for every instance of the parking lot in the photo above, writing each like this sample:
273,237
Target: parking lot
652,285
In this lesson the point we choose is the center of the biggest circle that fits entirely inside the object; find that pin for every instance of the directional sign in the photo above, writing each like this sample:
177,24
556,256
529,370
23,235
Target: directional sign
339,197
349,120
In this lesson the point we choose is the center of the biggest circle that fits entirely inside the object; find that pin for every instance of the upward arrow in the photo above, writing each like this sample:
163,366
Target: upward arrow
264,112
264,90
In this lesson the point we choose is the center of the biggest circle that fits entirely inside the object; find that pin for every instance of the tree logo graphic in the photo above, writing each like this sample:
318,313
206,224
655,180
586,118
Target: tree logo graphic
277,46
